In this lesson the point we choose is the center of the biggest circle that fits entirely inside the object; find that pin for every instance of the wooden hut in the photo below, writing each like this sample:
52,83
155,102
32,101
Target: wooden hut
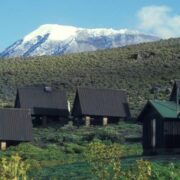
92,105
15,127
161,127
46,104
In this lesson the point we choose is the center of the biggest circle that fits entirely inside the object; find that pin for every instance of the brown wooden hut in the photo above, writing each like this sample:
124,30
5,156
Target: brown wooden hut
15,127
92,105
46,104
161,127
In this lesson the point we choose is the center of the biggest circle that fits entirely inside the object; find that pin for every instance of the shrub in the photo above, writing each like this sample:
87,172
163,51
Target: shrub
104,160
105,134
165,171
74,148
13,168
29,152
110,134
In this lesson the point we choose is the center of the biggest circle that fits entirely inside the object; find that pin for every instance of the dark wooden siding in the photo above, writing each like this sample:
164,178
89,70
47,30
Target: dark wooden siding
17,103
159,132
147,131
49,112
151,114
15,125
76,111
172,133
167,132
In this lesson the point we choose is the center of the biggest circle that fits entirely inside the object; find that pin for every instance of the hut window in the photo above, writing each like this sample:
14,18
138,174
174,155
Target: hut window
153,140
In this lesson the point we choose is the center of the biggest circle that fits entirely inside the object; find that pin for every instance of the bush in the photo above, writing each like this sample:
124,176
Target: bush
73,148
110,134
104,160
105,134
29,151
105,163
165,171
13,168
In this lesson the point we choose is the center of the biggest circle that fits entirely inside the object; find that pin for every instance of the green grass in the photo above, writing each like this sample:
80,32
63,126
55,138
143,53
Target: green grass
59,153
116,133
71,171
82,170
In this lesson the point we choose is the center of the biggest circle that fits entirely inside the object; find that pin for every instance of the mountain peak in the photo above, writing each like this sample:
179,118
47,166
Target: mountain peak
54,39
56,32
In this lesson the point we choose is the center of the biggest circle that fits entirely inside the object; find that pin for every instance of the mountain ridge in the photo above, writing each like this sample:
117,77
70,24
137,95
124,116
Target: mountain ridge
53,39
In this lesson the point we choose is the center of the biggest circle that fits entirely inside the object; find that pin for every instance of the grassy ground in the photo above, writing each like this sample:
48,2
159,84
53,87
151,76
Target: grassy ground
80,170
58,153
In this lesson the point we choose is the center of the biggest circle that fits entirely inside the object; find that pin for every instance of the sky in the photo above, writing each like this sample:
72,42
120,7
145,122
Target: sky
20,17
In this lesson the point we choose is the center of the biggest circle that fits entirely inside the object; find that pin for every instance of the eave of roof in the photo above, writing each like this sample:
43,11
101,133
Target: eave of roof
167,109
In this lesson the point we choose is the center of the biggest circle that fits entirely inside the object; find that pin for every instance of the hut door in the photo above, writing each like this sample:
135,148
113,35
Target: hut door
153,133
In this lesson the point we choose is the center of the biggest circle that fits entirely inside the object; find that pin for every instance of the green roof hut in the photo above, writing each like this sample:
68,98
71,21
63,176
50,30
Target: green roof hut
161,127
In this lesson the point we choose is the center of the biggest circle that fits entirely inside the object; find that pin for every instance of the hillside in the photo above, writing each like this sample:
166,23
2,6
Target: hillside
140,69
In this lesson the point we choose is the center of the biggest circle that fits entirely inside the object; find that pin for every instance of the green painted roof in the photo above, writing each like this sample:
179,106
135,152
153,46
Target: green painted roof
167,109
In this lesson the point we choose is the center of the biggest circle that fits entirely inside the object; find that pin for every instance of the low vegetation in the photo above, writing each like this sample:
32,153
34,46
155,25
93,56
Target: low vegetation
13,168
77,153
144,70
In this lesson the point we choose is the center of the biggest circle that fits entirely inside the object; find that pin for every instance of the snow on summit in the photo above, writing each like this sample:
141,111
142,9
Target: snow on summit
54,39
59,32
56,32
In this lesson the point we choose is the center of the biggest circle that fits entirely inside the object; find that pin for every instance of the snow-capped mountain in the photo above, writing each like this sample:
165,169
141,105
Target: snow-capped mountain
53,39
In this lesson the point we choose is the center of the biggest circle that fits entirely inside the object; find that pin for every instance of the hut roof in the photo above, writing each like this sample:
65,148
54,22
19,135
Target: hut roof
15,124
101,102
166,109
41,97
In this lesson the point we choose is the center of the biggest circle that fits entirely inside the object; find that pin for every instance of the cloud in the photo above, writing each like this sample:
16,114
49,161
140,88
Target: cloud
158,20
